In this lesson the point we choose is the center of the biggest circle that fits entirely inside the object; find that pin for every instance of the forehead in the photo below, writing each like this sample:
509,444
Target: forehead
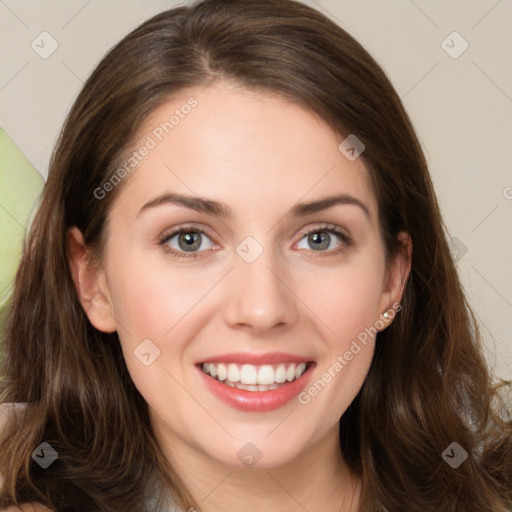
247,149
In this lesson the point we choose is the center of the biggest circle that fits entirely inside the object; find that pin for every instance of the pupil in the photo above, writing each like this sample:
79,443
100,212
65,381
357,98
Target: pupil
190,242
317,237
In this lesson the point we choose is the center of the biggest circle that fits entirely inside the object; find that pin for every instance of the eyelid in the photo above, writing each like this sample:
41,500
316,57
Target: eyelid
324,227
189,226
346,239
347,242
177,230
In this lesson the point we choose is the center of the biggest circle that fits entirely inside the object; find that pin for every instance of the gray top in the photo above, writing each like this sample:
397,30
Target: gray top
158,501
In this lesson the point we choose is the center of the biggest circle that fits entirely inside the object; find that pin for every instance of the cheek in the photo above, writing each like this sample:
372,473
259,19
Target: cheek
148,302
160,302
150,297
347,352
347,298
347,305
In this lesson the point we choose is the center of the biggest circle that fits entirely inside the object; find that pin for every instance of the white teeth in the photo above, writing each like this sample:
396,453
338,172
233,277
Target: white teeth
233,373
266,375
248,374
252,377
247,387
280,374
300,370
221,372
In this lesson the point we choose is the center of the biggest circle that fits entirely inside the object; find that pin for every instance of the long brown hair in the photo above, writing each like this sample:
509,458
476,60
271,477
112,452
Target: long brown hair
428,385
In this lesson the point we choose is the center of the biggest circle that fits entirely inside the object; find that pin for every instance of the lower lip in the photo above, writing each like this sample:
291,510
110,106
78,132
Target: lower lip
257,401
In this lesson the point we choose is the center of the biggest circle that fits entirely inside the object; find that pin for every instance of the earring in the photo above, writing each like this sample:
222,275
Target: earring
386,315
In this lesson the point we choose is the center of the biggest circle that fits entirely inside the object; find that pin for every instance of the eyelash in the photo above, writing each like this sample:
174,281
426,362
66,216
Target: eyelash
325,228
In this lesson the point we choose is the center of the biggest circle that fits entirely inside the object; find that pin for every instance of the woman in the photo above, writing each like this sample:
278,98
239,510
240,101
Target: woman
237,292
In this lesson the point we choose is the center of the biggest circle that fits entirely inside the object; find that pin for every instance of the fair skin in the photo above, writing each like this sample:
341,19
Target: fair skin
260,156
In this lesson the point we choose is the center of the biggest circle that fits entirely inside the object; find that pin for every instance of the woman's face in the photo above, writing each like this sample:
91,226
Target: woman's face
260,292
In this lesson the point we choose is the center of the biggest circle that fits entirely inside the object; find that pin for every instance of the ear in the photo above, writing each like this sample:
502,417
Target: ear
396,278
90,283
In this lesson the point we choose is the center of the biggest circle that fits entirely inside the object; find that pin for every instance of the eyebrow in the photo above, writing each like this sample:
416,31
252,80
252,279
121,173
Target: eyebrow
211,207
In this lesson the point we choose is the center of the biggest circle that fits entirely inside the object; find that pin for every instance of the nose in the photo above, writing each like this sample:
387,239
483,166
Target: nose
261,296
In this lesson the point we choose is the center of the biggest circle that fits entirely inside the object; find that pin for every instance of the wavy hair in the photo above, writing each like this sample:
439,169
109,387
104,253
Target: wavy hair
428,385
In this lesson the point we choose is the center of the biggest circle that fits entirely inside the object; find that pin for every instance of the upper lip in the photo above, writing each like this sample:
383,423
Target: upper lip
256,359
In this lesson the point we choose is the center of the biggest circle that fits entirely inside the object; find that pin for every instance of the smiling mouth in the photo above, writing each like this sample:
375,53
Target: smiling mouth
255,377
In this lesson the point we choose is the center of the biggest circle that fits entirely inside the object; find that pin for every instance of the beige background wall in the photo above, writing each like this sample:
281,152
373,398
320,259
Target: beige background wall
461,106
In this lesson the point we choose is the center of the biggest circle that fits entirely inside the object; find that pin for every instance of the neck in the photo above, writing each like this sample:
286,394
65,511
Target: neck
318,479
